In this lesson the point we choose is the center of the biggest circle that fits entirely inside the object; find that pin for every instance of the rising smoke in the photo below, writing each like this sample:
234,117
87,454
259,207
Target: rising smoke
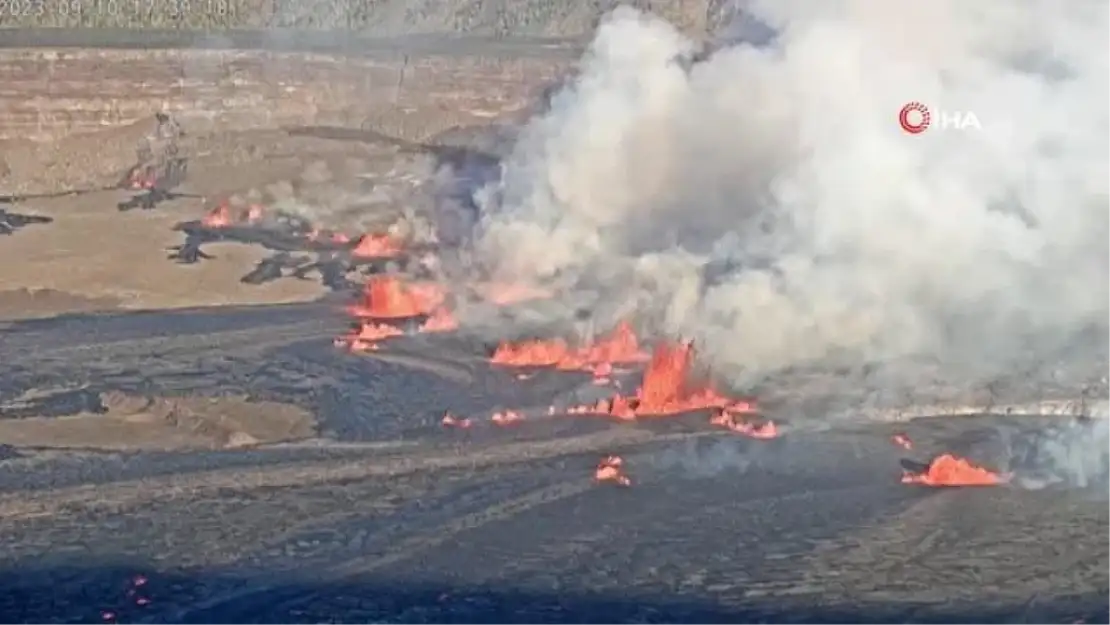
765,201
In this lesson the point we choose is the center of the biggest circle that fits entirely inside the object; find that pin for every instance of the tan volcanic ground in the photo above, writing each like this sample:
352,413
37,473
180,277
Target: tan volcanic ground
70,121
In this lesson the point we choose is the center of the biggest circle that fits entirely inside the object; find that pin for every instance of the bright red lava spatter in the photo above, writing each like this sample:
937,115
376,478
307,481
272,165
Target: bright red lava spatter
451,421
135,593
141,178
218,217
669,388
621,346
950,470
388,301
222,216
376,246
669,385
386,297
611,470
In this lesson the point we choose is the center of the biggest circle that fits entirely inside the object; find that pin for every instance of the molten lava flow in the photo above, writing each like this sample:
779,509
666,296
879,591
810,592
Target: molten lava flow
621,346
508,417
666,390
451,421
429,294
537,353
610,469
764,431
376,246
141,178
254,213
386,297
949,470
602,373
441,320
902,441
367,336
665,385
219,217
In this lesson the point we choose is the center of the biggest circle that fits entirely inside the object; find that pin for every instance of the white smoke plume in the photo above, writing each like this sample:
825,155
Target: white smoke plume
766,202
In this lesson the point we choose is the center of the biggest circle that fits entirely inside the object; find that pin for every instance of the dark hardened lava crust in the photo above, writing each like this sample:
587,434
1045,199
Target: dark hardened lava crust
398,520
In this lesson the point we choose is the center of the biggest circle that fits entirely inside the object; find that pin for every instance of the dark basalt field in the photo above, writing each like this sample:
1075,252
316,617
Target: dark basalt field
391,518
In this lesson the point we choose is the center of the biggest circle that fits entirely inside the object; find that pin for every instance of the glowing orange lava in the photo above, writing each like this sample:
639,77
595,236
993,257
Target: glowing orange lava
219,217
949,470
902,441
441,320
621,346
429,294
535,353
507,417
764,431
386,297
367,336
376,246
611,469
255,213
602,373
667,390
141,178
451,421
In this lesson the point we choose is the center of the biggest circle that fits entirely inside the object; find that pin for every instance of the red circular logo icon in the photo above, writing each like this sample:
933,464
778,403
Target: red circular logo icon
914,118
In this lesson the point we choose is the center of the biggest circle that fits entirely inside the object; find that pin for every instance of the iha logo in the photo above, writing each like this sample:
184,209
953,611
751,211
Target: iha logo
915,118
